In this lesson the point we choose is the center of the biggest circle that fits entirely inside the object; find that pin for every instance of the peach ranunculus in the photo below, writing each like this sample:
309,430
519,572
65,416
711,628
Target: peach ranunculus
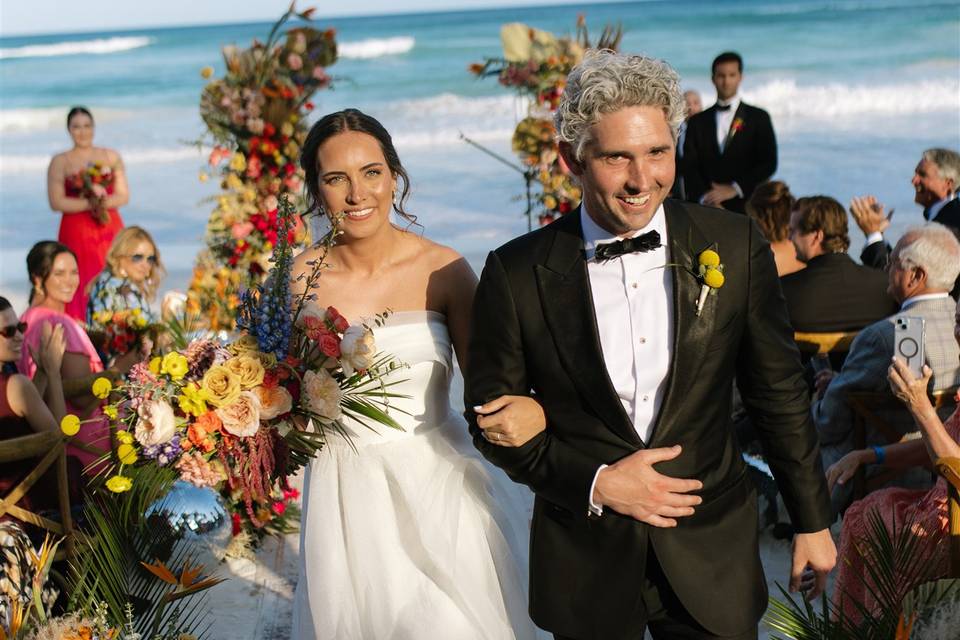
221,385
242,417
274,401
156,423
357,349
200,431
248,369
321,395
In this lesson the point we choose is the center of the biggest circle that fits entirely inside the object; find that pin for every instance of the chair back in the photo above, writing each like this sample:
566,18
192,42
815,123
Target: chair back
50,449
879,413
822,343
949,468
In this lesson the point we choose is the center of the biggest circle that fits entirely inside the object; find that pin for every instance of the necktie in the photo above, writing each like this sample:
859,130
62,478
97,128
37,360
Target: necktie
641,244
724,107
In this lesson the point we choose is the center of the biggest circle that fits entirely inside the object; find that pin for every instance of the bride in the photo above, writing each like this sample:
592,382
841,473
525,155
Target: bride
405,534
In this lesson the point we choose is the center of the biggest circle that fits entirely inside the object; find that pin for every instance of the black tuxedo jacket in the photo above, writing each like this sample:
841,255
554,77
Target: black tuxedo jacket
534,329
834,293
748,158
877,255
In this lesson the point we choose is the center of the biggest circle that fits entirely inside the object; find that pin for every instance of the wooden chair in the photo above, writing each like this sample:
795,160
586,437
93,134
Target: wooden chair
50,449
824,343
949,468
873,410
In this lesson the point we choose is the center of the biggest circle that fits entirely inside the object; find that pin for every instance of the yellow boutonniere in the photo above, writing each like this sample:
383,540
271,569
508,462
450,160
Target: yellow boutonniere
710,274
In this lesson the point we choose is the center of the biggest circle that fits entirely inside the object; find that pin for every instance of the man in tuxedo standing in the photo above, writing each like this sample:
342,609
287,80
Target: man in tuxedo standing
729,148
644,516
694,104
935,183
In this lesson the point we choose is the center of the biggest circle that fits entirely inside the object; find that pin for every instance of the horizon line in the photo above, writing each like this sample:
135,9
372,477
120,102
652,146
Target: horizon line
526,4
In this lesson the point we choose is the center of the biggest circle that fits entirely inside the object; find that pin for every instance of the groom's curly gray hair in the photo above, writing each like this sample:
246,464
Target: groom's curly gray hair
606,81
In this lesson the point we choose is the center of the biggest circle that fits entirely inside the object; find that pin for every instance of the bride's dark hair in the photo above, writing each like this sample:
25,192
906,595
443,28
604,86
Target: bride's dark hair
351,120
78,110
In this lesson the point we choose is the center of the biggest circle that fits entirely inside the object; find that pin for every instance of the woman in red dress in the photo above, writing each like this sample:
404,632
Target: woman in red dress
86,184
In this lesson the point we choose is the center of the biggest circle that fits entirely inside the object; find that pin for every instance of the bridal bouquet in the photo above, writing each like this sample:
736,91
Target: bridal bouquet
95,183
117,332
242,417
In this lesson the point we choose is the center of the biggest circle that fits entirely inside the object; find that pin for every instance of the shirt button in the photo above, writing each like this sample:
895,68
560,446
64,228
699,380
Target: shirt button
634,285
643,341
646,398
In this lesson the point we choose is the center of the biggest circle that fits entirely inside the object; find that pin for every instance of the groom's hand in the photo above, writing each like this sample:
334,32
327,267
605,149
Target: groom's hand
632,487
812,553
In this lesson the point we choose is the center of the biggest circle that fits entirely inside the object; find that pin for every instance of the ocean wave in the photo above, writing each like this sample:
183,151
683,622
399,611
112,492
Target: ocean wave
439,120
31,164
46,118
376,47
74,47
786,97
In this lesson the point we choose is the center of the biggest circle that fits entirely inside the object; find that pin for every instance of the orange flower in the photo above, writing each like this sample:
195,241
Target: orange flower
200,431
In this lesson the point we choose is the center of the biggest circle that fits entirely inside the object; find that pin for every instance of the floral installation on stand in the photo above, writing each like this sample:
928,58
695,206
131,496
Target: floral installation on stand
244,416
256,120
94,183
536,64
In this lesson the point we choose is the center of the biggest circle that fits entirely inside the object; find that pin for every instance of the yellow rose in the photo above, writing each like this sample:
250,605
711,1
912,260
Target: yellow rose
127,454
103,317
119,484
154,365
174,365
101,388
124,437
242,417
221,385
70,425
206,72
244,345
248,370
713,278
709,258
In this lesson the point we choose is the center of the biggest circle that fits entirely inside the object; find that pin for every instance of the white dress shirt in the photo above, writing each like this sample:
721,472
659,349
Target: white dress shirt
725,119
633,304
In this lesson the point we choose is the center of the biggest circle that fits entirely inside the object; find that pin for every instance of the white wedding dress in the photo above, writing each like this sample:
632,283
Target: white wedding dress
411,535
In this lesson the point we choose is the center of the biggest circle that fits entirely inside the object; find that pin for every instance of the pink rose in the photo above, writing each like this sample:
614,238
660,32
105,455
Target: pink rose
295,62
242,417
274,401
329,344
340,324
241,230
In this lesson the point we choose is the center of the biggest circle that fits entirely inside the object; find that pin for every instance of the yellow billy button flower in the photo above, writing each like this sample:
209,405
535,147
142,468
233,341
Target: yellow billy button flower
110,411
70,425
102,387
206,72
119,484
709,258
127,454
193,400
713,278
124,437
154,365
174,365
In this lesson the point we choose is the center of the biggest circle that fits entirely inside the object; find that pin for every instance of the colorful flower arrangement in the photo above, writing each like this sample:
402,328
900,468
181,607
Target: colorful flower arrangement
255,116
117,332
242,417
94,183
536,64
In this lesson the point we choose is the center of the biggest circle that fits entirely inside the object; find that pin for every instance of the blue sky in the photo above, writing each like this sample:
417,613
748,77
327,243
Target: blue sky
19,17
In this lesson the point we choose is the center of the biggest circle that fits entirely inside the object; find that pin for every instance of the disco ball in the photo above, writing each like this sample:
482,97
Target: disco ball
189,509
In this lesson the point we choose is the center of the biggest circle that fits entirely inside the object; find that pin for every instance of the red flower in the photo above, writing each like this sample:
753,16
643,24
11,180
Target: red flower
337,321
236,528
329,344
269,130
563,207
290,494
308,106
278,508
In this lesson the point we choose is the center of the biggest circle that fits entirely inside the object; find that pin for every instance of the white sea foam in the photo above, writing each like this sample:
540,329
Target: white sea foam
32,164
439,120
46,118
376,47
74,47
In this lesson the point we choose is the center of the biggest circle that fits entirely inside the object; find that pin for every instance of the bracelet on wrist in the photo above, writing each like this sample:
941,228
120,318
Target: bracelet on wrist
881,454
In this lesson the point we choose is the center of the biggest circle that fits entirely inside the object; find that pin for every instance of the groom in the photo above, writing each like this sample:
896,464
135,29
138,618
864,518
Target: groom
644,516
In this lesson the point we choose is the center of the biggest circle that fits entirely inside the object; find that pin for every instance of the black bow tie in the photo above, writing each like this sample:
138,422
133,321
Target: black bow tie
724,107
641,244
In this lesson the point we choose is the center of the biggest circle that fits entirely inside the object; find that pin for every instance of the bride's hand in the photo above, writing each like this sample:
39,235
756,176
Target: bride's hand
511,421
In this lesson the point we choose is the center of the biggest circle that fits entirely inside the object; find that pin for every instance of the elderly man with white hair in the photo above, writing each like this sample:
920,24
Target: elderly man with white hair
922,269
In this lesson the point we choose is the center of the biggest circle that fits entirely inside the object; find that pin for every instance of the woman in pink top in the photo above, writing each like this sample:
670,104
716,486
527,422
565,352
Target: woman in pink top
55,278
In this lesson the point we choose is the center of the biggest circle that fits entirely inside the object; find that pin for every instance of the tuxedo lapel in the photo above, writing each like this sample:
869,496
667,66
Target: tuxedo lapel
567,303
691,334
732,133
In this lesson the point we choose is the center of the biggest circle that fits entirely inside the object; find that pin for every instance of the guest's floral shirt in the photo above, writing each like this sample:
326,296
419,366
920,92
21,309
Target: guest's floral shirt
112,293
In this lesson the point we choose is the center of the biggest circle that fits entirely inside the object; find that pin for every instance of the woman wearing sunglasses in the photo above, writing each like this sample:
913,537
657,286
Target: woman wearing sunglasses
24,409
129,281
55,277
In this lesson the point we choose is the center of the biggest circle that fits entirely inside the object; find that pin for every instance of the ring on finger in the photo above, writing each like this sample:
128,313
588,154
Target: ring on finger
497,435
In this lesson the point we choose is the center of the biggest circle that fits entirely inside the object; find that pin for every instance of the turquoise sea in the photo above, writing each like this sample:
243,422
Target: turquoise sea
857,89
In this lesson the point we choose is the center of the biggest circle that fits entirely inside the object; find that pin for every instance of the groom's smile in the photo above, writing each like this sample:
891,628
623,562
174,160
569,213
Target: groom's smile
627,168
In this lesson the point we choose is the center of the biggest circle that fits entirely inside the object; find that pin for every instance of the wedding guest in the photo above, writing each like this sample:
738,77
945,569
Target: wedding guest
86,184
770,205
922,269
23,410
54,275
833,293
926,511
